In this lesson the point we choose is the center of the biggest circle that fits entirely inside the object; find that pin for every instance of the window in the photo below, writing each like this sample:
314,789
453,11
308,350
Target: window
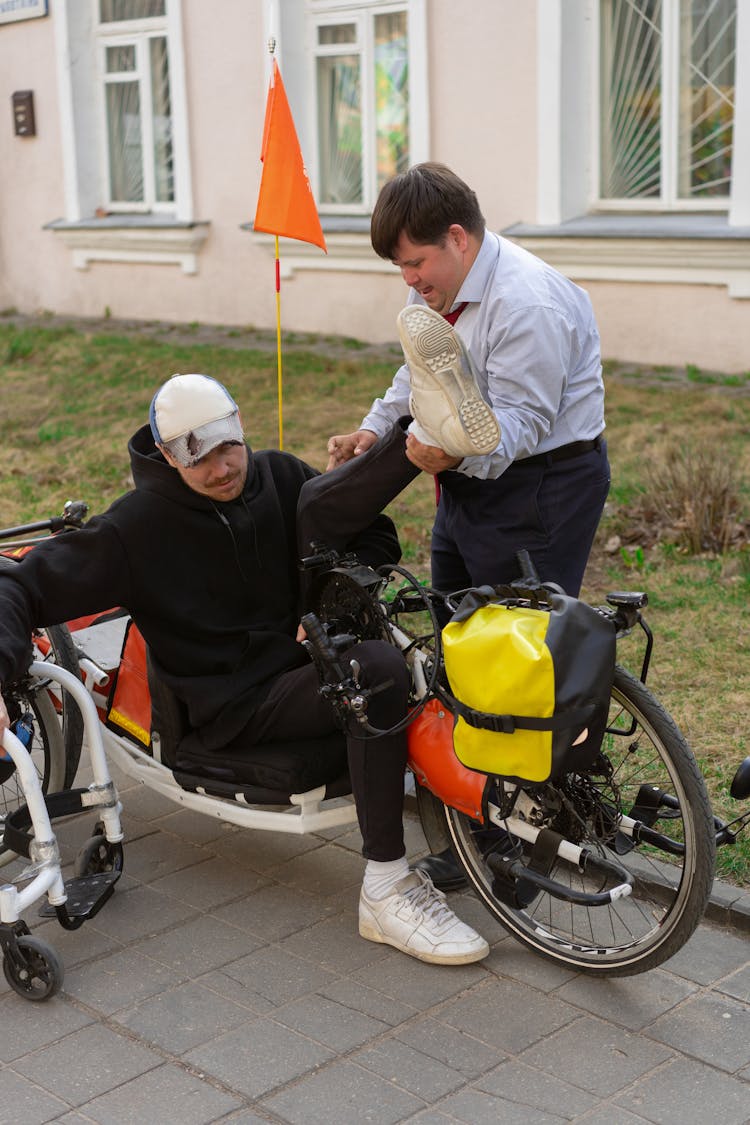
364,95
137,105
123,113
667,76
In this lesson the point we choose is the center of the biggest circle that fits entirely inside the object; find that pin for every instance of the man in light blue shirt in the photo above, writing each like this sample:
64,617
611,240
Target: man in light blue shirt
533,344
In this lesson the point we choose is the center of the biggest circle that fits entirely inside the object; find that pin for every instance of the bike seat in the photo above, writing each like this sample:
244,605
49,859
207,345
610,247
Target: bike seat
261,774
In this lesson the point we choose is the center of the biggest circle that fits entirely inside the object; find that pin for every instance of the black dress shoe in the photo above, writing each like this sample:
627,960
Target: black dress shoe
444,870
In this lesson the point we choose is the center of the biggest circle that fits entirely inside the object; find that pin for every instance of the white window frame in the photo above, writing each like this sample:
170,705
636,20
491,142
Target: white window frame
80,68
684,247
163,237
567,118
331,12
134,33
668,200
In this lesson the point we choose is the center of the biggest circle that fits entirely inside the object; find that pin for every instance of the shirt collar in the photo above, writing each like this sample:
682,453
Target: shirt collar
478,277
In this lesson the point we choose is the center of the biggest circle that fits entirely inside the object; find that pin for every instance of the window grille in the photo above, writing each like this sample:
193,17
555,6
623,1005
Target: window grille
667,102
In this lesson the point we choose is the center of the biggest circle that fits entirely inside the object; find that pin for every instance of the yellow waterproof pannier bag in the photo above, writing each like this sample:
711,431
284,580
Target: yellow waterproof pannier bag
529,683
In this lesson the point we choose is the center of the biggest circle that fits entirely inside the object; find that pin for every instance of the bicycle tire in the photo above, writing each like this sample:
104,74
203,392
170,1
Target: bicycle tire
47,749
56,644
670,892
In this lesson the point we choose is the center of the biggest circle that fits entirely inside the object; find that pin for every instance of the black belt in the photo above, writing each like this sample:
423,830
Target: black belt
562,453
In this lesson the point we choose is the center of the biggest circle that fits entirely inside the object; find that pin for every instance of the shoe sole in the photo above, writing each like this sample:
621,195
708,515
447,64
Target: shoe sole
438,354
370,933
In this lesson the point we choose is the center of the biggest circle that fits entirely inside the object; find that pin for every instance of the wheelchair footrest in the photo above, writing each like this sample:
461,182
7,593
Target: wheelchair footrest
87,894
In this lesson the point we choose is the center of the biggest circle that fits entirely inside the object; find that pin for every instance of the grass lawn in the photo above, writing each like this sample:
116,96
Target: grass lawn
72,396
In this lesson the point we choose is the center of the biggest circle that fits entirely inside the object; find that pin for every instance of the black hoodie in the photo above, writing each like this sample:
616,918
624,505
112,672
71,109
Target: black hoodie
213,587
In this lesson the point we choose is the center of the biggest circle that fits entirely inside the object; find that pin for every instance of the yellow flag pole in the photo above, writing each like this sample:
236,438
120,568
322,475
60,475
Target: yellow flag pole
279,380
279,373
282,154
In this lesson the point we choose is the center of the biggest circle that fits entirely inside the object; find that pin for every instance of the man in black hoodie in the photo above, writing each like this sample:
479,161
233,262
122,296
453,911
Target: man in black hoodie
203,553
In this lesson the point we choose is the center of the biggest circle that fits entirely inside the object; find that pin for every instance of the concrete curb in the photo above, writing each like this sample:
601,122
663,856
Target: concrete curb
729,906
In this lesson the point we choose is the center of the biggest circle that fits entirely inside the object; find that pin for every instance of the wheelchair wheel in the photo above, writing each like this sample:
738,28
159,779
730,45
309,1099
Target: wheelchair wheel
55,644
47,749
40,973
646,772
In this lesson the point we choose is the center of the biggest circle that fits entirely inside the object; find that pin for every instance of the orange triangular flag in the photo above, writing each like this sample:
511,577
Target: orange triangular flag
285,201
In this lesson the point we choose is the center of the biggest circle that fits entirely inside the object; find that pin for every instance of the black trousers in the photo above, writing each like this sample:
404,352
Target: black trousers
550,510
294,710
336,505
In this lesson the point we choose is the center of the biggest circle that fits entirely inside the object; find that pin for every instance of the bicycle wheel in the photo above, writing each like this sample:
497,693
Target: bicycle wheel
646,777
55,644
47,749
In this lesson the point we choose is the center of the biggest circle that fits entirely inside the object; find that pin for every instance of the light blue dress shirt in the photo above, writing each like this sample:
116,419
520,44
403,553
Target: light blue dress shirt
533,340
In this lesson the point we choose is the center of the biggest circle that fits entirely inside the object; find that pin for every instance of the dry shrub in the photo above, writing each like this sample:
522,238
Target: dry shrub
695,497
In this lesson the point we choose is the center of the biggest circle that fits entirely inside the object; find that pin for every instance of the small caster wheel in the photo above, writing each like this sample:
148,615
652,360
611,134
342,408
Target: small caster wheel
39,973
97,856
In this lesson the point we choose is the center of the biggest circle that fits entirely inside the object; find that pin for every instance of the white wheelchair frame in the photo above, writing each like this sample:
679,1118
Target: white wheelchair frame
307,812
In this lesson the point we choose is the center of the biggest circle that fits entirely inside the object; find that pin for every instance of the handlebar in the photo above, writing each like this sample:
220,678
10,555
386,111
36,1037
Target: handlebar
327,657
325,557
337,683
73,515
321,558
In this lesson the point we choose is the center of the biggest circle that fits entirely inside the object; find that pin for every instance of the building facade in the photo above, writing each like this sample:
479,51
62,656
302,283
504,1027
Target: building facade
612,137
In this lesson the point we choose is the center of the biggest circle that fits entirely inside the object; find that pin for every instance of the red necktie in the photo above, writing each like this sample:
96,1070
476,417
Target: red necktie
452,317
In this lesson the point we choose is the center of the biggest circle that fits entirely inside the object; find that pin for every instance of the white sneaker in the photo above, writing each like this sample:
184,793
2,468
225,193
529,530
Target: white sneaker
445,399
417,920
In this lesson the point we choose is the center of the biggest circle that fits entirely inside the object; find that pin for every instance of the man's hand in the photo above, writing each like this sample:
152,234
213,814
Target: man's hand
429,458
342,447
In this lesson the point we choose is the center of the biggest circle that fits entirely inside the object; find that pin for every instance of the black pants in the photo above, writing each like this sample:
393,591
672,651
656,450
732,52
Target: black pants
294,710
336,505
550,510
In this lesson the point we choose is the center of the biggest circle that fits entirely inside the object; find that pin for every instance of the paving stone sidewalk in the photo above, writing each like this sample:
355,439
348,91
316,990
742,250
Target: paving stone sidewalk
225,982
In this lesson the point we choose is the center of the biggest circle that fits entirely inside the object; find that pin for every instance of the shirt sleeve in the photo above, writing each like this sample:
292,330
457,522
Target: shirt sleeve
393,405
